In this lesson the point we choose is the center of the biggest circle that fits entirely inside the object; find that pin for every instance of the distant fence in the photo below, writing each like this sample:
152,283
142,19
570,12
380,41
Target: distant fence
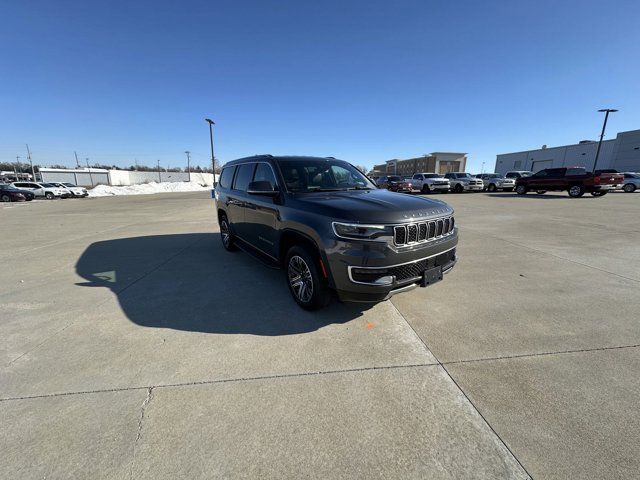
120,177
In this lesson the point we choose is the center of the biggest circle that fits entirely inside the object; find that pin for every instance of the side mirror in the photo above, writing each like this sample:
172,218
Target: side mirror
262,187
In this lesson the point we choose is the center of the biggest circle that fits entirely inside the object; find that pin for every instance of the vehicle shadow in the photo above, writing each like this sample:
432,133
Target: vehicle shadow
544,196
189,282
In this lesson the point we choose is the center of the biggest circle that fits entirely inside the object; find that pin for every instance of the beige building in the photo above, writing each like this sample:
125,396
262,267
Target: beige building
435,162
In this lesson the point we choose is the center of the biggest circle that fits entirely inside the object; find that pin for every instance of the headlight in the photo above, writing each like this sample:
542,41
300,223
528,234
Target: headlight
361,232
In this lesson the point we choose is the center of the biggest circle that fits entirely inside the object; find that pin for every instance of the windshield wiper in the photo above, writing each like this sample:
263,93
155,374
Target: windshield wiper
358,187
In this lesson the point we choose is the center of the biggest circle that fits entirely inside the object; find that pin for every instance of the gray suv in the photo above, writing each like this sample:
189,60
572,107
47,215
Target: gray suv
331,229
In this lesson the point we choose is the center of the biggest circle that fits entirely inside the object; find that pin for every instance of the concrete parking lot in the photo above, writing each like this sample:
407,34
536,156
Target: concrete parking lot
134,346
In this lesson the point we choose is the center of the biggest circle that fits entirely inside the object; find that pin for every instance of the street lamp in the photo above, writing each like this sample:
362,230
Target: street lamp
606,111
213,161
188,163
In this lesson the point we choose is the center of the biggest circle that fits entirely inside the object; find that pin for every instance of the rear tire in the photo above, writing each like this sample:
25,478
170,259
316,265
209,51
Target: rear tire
576,191
228,241
629,188
521,190
307,286
458,188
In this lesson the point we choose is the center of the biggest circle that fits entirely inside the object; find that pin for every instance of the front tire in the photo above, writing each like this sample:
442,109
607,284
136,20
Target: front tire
492,188
521,190
49,196
228,241
426,189
308,288
6,198
629,188
458,188
576,191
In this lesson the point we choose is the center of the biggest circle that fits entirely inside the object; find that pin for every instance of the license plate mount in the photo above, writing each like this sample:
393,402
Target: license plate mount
431,276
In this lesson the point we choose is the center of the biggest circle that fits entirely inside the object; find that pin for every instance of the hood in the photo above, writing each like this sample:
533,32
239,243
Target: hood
372,206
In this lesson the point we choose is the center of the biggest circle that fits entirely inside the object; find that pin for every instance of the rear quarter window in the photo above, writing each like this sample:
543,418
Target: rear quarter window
227,176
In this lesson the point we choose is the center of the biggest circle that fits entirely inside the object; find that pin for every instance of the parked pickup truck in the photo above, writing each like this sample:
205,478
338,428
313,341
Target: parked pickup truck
429,182
575,180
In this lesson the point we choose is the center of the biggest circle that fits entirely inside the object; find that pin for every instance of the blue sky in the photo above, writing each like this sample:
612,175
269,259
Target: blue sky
361,80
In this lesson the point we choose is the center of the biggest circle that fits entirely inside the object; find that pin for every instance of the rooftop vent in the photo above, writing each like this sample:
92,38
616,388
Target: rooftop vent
585,141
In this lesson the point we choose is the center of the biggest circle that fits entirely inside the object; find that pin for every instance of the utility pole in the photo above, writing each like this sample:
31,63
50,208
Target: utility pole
188,163
604,126
159,177
90,175
213,158
17,167
33,173
77,161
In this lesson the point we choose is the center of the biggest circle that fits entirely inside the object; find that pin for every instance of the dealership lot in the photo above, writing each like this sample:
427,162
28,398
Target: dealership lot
134,346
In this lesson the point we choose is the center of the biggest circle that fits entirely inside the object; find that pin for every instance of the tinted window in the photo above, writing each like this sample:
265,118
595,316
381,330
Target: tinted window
227,176
512,175
310,174
395,178
576,171
264,174
417,177
449,175
432,175
542,173
244,176
556,172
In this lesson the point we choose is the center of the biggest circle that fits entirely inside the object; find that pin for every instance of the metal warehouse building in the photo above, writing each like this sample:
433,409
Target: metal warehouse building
622,154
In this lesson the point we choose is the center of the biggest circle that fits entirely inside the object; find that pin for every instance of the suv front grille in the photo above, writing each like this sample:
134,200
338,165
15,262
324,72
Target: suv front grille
422,231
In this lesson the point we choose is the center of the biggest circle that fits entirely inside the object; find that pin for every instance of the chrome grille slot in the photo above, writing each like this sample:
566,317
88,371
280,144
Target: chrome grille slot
400,235
446,226
412,233
422,232
439,225
432,230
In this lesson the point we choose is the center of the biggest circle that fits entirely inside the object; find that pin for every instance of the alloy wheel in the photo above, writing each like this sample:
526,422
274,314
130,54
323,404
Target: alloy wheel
6,198
300,278
226,236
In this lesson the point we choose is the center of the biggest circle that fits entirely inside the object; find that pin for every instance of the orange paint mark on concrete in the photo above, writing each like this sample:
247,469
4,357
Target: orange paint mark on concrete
370,325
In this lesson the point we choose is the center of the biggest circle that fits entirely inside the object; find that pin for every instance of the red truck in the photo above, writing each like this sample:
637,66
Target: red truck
575,180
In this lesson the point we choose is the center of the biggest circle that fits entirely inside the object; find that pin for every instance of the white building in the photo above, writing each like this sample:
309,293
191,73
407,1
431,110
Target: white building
622,154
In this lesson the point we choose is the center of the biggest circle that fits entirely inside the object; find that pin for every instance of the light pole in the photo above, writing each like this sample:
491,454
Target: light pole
213,159
17,167
159,177
33,173
188,163
89,168
606,111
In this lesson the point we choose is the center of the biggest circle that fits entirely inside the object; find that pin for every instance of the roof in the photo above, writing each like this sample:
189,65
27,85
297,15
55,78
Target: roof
256,158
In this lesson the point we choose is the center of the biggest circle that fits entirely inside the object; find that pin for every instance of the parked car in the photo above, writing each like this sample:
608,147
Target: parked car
9,193
430,182
515,174
45,190
494,182
74,190
395,183
28,194
464,182
575,180
330,228
631,181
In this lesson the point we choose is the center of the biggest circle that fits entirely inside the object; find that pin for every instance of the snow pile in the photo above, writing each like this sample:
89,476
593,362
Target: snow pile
147,188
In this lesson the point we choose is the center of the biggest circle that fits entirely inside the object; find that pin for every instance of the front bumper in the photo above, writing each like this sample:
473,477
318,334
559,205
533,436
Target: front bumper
474,188
355,267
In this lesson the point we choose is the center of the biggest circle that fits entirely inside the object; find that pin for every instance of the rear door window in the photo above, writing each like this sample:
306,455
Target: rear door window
227,176
244,176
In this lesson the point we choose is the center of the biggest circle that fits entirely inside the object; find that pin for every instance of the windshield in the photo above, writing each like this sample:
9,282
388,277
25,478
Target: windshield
464,175
526,174
68,184
432,175
322,175
394,178
46,185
